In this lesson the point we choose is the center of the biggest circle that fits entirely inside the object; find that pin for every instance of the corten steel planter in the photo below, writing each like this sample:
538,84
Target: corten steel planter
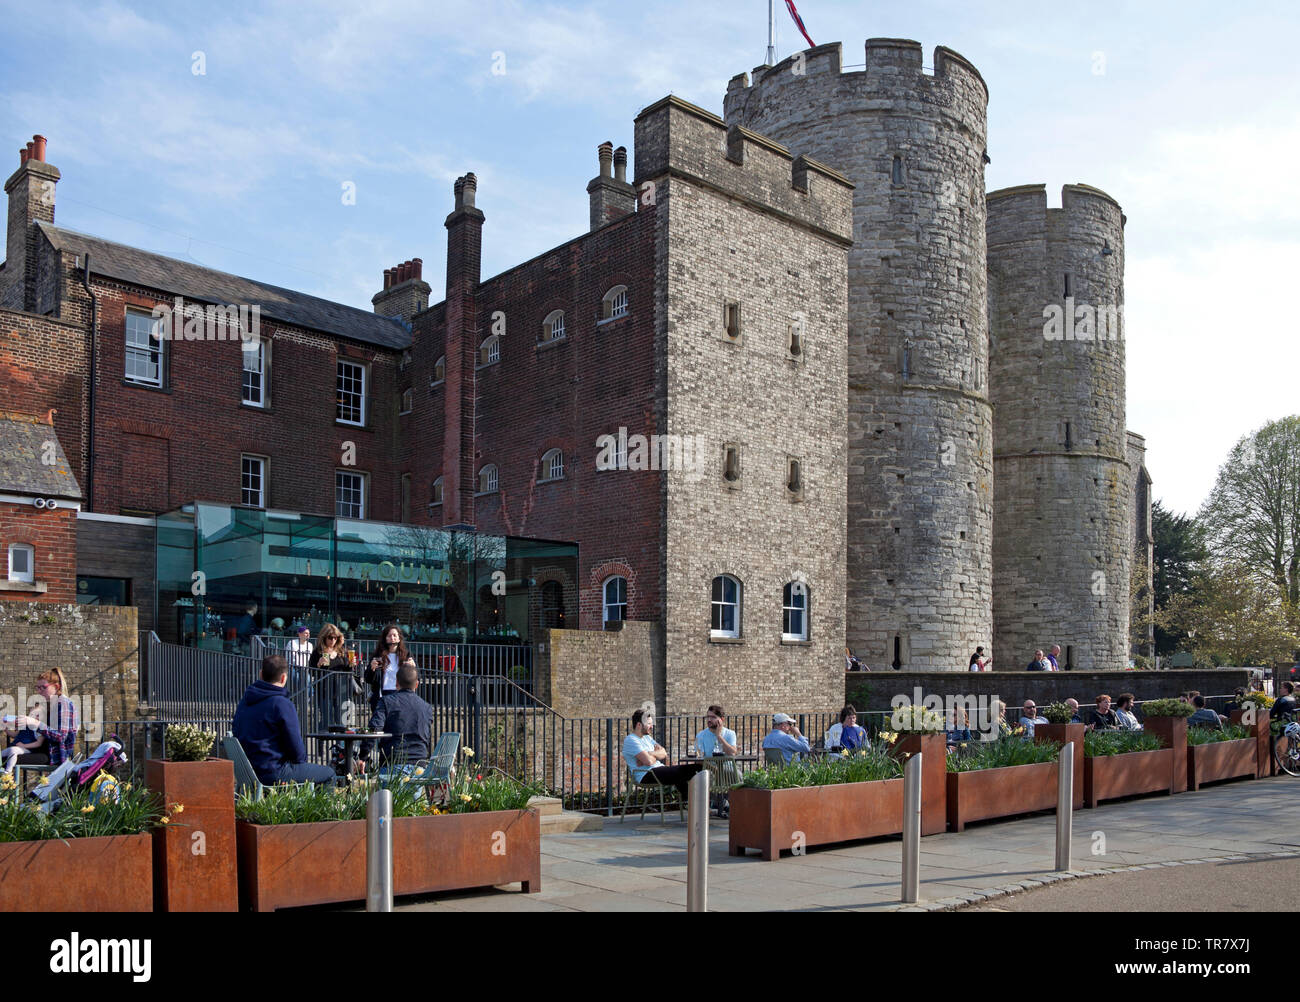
108,874
773,820
285,866
1172,732
1107,777
1264,764
1209,763
1061,733
998,793
934,771
194,857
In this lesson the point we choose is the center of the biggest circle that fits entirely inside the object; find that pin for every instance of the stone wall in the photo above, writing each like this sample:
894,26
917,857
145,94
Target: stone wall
595,673
95,646
920,484
1063,500
874,690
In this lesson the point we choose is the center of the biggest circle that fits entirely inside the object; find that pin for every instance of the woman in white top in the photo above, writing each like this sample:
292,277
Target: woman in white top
390,654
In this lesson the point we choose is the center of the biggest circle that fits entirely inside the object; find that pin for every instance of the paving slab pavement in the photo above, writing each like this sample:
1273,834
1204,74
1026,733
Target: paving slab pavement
642,865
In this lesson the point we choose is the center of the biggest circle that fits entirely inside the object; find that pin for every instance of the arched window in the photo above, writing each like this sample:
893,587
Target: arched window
614,305
553,465
615,601
439,371
897,172
436,494
487,479
726,607
489,352
553,606
731,464
553,326
794,611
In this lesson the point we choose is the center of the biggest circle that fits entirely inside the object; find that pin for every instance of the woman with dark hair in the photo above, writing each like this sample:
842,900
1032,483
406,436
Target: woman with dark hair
390,654
851,735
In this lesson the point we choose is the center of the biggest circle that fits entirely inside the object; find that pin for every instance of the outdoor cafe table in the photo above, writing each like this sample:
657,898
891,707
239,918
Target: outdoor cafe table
349,738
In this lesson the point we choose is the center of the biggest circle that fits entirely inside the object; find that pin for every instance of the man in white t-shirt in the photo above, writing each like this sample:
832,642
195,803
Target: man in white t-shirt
646,758
298,652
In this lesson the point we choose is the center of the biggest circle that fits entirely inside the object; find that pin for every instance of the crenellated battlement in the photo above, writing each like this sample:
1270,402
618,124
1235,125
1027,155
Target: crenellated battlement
892,67
676,139
1022,211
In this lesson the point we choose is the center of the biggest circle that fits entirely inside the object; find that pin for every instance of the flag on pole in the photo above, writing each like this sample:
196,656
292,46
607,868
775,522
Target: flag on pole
799,22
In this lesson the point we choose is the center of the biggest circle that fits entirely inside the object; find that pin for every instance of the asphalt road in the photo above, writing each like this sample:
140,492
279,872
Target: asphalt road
1245,886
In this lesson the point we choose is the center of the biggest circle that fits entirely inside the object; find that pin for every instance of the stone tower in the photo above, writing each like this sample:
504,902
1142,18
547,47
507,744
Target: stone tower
1063,499
920,426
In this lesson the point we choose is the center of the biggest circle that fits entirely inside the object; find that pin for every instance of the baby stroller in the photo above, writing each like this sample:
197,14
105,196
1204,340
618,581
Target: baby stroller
95,773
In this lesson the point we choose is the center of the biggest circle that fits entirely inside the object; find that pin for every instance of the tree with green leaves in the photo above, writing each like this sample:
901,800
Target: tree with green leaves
1230,617
1180,554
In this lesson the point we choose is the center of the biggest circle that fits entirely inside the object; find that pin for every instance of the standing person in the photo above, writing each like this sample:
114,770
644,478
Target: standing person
389,655
61,732
785,736
266,726
1039,663
977,660
298,653
647,758
328,662
247,626
1054,657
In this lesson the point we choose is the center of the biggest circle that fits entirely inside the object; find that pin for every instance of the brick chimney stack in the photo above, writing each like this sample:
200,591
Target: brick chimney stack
405,292
463,335
611,196
31,197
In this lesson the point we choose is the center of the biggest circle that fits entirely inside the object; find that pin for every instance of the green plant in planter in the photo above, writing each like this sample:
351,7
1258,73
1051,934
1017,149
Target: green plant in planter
189,743
1057,713
1260,700
865,765
1167,708
1209,735
1097,744
117,809
1001,754
916,719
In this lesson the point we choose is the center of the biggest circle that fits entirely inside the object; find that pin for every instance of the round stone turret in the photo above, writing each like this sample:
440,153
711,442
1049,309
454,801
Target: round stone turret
920,491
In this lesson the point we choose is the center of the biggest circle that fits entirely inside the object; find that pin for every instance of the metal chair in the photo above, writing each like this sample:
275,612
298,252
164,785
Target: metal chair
773,756
20,772
437,768
724,775
245,778
646,791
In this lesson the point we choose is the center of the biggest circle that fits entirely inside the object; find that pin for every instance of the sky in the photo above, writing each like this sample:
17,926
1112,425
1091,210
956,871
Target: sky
229,135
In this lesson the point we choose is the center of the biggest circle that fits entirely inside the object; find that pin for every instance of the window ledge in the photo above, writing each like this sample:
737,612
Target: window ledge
612,320
146,386
550,480
726,640
436,383
354,427
788,642
260,408
551,343
35,587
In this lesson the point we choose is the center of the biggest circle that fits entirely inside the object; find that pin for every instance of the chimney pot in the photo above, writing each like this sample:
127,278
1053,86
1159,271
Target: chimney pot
620,164
388,278
470,187
22,155
404,271
31,151
419,268
606,153
39,143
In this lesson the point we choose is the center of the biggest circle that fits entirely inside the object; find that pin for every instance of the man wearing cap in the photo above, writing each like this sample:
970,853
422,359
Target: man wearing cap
785,736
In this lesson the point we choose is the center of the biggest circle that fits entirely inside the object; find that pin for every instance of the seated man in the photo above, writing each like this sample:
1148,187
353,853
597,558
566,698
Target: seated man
1029,717
646,758
959,732
716,738
1128,721
1073,704
1287,703
266,725
1101,717
405,716
785,736
1204,716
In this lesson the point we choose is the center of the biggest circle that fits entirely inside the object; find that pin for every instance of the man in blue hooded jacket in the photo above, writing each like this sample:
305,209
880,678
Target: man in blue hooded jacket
266,725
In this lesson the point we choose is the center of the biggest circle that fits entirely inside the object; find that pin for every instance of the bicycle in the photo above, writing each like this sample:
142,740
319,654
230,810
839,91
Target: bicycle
1286,746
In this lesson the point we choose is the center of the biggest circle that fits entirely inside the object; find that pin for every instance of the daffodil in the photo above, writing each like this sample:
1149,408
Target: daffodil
178,809
420,771
88,809
165,820
468,751
4,801
466,797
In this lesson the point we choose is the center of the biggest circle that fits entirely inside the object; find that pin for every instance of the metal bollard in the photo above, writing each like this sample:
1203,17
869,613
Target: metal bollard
1064,805
912,830
697,844
379,852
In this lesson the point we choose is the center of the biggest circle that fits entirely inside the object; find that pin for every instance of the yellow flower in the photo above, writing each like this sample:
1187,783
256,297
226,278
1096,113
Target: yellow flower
420,771
88,808
468,751
178,809
165,820
844,752
466,797
7,782
4,801
126,786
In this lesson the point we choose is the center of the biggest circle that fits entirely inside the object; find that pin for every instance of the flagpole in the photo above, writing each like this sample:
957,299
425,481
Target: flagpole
771,32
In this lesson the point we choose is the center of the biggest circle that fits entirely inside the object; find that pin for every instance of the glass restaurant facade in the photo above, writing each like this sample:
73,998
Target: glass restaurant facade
226,572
